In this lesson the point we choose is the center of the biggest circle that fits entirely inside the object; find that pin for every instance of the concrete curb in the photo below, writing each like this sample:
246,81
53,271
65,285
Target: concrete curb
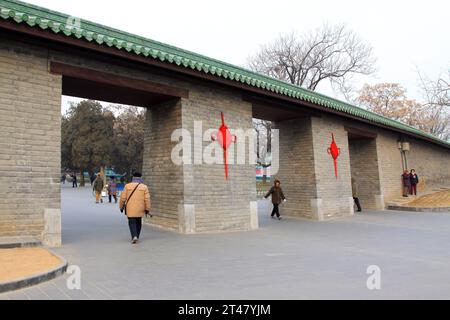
19,243
416,209
36,278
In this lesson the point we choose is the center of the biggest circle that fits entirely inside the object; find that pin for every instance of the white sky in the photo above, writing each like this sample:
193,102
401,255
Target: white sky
405,35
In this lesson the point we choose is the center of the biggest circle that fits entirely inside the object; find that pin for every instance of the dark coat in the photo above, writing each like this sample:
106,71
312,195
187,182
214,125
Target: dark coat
277,195
98,184
414,179
406,180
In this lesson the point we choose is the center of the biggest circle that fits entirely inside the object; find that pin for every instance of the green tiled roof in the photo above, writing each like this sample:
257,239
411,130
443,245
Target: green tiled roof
37,17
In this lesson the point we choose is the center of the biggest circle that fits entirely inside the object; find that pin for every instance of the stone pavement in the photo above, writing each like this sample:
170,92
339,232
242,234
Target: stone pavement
288,259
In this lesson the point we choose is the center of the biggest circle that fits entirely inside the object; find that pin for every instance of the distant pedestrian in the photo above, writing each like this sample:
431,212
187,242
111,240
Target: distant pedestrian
414,180
92,178
135,202
406,183
63,178
112,190
98,188
74,180
355,194
277,198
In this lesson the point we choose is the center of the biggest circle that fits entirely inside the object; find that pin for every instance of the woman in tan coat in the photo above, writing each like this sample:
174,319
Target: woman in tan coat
135,202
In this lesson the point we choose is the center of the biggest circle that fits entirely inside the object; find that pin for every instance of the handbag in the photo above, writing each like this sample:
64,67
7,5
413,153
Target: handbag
124,208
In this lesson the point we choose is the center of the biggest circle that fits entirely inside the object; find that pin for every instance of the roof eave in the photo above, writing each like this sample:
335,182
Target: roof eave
61,38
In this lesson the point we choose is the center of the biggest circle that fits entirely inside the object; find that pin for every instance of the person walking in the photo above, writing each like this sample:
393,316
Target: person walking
277,198
355,195
63,178
74,180
414,180
98,188
135,202
92,178
406,182
112,189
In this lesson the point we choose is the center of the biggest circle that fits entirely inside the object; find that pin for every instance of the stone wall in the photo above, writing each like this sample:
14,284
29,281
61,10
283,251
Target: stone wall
220,205
365,170
164,180
193,197
30,134
334,195
297,169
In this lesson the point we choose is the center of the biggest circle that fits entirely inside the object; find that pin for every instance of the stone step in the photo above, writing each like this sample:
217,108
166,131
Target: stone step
19,242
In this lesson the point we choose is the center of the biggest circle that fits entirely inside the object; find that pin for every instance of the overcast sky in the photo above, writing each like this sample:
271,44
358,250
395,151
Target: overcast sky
405,35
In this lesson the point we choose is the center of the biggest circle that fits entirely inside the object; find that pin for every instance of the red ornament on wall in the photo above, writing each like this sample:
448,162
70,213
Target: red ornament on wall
225,138
334,151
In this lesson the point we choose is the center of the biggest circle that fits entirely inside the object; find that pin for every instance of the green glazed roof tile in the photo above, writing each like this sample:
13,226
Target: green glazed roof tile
56,22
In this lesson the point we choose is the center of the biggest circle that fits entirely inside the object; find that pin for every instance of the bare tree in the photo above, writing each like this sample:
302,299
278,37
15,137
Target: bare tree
437,104
263,130
331,53
389,100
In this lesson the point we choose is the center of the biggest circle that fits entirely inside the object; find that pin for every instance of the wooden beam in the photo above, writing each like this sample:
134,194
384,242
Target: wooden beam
116,80
280,106
360,133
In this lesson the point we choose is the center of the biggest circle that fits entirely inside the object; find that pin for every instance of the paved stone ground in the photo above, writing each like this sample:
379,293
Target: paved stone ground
288,259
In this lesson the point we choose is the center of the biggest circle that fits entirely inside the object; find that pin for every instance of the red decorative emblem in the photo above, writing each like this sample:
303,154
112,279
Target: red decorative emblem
334,151
225,138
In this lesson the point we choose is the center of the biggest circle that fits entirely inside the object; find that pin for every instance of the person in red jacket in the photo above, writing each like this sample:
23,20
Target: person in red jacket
406,183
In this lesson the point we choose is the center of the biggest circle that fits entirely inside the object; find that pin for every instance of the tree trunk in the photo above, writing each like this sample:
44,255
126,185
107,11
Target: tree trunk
82,182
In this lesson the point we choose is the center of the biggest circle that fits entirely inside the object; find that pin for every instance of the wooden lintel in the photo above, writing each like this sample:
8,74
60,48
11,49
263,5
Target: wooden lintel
360,133
116,80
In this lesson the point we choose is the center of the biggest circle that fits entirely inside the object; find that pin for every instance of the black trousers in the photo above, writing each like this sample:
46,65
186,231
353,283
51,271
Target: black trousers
357,203
74,184
110,197
275,210
135,225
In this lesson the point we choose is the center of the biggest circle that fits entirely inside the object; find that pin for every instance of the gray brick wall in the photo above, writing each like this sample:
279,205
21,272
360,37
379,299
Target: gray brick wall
296,169
30,100
334,192
30,108
164,180
364,169
220,205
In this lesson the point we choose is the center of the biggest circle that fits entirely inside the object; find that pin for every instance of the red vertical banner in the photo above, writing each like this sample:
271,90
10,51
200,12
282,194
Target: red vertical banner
225,139
334,151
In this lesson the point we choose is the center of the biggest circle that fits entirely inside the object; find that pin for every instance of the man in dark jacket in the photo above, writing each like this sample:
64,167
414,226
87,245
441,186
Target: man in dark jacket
406,182
74,180
277,197
355,194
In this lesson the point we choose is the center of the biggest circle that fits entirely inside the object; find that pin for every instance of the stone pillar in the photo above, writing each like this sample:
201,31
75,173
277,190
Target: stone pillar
30,147
193,196
307,171
335,193
365,170
164,179
297,169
